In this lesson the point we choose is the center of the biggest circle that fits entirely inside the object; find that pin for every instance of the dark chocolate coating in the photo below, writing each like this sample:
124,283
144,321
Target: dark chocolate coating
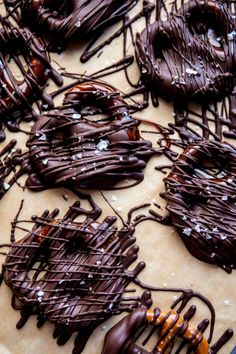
120,338
10,158
201,199
192,54
17,95
80,272
172,326
89,154
67,18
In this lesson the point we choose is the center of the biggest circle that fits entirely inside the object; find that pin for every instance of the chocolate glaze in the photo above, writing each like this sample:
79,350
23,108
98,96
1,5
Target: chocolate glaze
88,154
18,95
121,338
68,18
191,55
200,194
73,274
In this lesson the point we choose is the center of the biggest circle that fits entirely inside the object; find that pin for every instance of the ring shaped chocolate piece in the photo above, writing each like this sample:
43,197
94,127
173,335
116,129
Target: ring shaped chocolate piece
201,199
121,338
17,94
65,18
191,55
68,149
73,274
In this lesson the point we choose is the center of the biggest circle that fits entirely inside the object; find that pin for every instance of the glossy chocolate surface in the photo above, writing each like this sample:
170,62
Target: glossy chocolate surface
10,166
190,55
69,138
28,53
200,194
73,274
68,18
68,148
172,326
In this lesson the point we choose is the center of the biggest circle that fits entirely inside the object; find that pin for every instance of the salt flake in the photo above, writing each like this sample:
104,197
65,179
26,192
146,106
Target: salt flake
191,71
187,231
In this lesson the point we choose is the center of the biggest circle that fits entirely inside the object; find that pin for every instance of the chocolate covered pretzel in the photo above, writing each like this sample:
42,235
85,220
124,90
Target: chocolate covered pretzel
201,199
34,70
68,148
191,55
73,274
66,18
121,339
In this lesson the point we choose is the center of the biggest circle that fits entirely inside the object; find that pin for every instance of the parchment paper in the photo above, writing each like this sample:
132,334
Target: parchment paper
168,263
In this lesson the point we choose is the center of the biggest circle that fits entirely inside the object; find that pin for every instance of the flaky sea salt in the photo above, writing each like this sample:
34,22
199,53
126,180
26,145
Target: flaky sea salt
6,186
114,198
43,137
45,162
231,35
76,116
187,231
102,145
78,24
191,71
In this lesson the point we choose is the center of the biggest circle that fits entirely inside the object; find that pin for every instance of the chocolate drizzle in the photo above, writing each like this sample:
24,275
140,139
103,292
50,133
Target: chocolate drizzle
212,121
189,56
10,166
122,337
65,19
67,148
73,274
16,96
200,194
70,147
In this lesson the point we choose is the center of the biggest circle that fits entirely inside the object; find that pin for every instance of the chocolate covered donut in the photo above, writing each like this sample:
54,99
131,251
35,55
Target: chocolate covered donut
67,148
200,194
73,274
191,55
67,18
34,69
